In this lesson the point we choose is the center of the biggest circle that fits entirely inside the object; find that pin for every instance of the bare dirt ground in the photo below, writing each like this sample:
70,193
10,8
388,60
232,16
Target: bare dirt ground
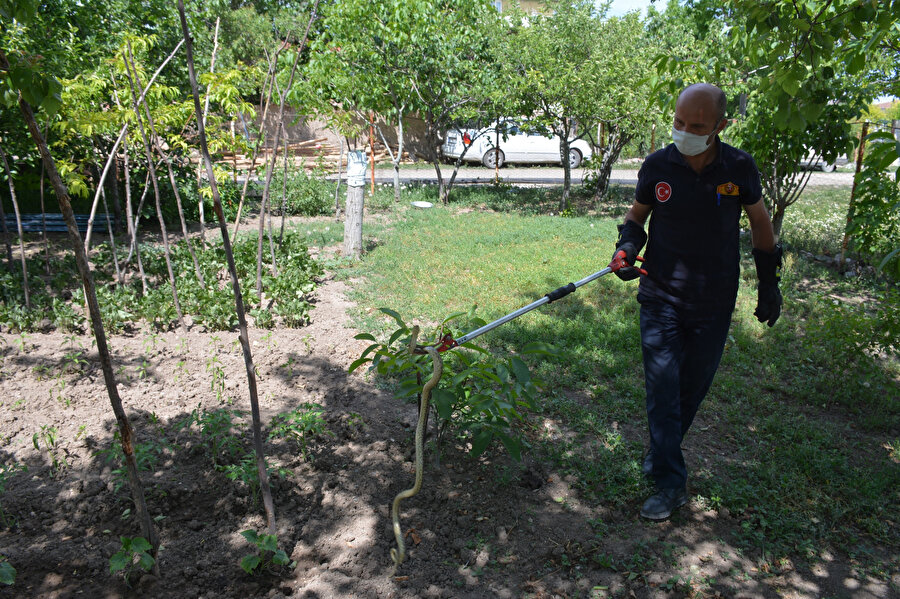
479,528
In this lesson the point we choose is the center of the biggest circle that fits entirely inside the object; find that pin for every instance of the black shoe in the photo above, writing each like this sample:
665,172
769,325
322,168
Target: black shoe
661,505
647,465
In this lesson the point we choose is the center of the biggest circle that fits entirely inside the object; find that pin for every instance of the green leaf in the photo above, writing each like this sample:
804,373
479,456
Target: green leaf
119,561
250,563
512,445
7,573
443,402
139,544
480,441
791,86
888,258
251,535
146,562
365,337
280,557
357,363
396,316
269,543
520,370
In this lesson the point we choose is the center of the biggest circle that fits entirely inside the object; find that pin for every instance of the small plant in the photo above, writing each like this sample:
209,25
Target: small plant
263,318
217,371
215,430
7,572
146,456
247,473
267,553
302,425
482,397
49,438
133,555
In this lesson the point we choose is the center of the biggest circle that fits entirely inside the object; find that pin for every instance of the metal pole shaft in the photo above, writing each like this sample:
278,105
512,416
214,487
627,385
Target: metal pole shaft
544,300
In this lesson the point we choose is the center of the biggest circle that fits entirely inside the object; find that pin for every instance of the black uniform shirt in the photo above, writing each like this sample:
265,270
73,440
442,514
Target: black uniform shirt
692,255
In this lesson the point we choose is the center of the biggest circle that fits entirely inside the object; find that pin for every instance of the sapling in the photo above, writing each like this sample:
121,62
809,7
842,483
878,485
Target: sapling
267,553
133,555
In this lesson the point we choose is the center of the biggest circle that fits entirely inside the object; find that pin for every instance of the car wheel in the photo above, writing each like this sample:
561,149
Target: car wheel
493,158
827,168
574,158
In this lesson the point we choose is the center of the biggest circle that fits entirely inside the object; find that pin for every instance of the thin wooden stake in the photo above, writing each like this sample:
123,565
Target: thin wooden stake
15,203
265,490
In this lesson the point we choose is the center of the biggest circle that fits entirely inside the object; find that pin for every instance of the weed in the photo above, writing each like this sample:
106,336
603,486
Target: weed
180,370
41,371
146,457
247,473
217,371
49,438
302,425
132,556
267,555
215,431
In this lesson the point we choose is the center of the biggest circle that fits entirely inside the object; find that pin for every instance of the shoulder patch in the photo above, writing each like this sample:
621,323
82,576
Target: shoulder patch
663,191
728,189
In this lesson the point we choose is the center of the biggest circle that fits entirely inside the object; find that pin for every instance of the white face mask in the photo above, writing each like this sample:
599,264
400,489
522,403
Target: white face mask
690,144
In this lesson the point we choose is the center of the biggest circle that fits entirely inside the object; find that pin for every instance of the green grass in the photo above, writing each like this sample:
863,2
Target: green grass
807,411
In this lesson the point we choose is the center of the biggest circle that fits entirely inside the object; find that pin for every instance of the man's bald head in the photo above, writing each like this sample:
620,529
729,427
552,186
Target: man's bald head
706,93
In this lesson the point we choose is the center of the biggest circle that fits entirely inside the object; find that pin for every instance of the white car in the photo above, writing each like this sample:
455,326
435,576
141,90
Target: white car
814,161
517,146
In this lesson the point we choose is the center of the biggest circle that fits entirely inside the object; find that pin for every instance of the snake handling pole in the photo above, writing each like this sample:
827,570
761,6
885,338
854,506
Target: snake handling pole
550,297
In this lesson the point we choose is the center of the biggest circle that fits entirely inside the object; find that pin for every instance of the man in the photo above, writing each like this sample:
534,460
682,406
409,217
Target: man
695,189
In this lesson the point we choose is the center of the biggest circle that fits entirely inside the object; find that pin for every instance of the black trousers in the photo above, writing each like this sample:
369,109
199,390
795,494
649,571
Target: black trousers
681,351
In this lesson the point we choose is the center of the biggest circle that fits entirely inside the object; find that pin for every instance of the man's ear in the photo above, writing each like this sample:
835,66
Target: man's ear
725,122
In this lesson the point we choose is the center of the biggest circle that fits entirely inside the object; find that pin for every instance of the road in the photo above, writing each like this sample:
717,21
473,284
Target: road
544,175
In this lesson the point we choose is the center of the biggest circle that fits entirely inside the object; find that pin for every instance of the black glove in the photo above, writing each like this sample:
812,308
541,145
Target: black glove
631,239
768,269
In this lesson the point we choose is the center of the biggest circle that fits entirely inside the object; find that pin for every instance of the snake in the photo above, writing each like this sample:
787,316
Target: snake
398,554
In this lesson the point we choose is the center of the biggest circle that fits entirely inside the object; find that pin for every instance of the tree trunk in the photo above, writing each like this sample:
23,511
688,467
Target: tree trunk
15,203
263,474
126,433
778,219
353,217
567,171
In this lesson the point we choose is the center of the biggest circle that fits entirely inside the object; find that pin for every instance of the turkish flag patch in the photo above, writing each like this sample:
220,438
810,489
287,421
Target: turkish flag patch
663,191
